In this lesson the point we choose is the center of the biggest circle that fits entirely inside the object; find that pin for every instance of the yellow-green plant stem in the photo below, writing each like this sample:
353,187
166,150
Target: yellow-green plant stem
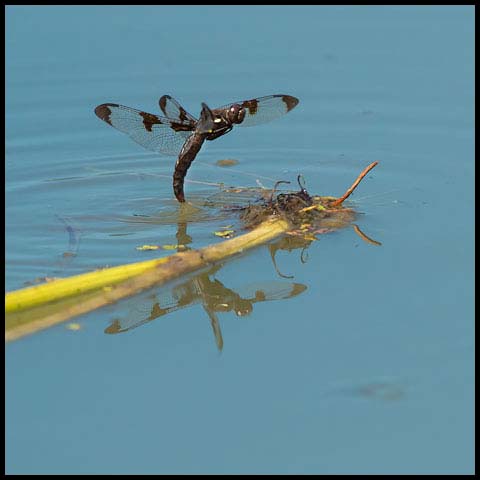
35,308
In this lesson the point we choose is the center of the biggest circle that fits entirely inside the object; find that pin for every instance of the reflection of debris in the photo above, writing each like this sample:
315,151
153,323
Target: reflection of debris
382,391
330,57
227,162
387,391
39,280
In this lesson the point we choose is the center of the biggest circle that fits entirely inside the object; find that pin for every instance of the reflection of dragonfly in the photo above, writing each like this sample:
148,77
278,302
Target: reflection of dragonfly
213,296
179,133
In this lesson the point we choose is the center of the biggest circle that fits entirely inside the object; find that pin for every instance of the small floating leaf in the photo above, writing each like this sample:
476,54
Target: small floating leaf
73,326
224,233
157,247
171,247
320,208
227,162
148,247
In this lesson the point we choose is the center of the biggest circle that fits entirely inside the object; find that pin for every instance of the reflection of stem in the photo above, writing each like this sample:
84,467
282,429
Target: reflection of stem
364,237
340,200
273,250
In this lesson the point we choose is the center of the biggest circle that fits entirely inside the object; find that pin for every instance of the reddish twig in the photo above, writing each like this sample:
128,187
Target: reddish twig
340,200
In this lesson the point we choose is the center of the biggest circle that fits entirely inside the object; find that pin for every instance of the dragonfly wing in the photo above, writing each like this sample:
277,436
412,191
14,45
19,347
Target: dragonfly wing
173,110
155,133
265,109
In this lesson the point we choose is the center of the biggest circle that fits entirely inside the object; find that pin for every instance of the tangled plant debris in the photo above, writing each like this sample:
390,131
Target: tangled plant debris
305,213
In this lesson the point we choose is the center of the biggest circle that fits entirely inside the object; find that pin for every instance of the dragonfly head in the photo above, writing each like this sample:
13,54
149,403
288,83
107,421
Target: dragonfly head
235,113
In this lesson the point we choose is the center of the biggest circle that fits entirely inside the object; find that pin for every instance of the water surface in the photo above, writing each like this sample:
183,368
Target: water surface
346,357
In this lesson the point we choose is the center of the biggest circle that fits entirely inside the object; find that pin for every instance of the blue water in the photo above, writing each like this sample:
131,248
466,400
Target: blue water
369,368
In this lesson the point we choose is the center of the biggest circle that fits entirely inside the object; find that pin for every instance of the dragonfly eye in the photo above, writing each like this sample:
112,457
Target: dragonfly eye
236,113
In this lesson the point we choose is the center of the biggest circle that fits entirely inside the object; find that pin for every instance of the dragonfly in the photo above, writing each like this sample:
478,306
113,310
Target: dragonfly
178,133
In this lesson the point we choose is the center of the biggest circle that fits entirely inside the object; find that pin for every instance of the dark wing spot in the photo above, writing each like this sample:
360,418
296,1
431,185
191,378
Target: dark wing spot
103,111
149,120
163,103
252,106
183,114
182,127
290,102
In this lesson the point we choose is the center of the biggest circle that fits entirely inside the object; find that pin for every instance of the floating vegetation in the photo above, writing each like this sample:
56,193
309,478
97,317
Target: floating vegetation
74,327
163,247
297,214
227,162
224,233
148,247
307,215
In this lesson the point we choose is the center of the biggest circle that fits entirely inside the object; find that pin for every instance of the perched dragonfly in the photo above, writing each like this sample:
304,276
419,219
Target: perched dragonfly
179,133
